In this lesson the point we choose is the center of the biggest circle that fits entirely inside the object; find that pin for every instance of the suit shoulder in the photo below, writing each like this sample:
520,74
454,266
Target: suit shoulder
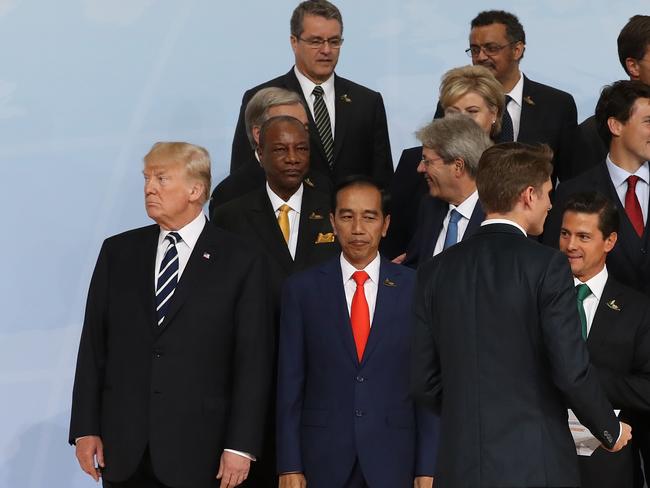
356,88
630,295
229,242
132,235
583,182
397,269
549,92
279,81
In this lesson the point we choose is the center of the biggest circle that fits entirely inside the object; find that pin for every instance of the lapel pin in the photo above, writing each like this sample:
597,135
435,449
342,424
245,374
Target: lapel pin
315,216
308,182
390,283
529,100
206,255
345,98
613,305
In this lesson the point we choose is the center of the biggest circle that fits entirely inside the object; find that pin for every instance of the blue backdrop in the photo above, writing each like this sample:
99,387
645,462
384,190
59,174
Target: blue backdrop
87,86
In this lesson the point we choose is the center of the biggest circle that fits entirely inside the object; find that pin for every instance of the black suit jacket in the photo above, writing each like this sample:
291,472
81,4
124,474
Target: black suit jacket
549,116
431,215
188,389
498,351
589,150
628,262
361,144
619,348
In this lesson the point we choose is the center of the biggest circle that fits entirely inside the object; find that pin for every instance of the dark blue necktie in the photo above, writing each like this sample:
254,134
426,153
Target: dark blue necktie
452,229
507,129
167,276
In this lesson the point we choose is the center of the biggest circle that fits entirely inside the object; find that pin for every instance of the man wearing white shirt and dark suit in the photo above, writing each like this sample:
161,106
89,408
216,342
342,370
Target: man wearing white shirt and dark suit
347,121
451,149
174,363
615,323
344,414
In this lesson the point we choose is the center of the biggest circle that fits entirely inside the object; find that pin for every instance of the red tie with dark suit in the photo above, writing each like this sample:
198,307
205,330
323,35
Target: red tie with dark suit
360,314
632,206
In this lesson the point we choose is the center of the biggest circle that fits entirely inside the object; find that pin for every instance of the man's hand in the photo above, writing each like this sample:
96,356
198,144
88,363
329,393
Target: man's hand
423,482
90,454
292,480
623,439
399,259
233,469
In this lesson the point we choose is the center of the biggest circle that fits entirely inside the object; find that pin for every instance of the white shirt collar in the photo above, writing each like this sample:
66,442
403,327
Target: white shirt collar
372,269
190,233
619,176
467,207
596,284
504,221
307,85
295,201
517,92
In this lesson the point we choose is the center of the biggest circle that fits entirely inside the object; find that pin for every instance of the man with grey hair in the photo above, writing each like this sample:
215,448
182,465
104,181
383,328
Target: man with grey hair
172,385
451,149
266,103
347,122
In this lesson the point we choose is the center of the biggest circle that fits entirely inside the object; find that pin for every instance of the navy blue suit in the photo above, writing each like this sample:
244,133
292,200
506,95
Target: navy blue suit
333,410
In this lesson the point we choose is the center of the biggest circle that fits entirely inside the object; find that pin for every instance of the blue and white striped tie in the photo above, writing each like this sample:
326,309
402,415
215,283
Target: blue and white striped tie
167,276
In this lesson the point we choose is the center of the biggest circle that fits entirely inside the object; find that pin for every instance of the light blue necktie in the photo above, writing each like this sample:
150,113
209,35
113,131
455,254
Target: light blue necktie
452,229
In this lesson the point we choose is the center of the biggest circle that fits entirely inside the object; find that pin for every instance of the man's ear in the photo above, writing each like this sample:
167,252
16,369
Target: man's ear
632,66
615,126
610,241
332,223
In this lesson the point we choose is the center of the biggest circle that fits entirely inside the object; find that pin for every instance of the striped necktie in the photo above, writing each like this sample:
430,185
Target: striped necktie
167,276
323,124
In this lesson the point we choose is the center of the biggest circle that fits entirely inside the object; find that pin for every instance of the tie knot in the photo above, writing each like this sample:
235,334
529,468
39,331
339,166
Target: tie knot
454,216
508,99
174,238
359,277
632,180
318,91
583,291
284,208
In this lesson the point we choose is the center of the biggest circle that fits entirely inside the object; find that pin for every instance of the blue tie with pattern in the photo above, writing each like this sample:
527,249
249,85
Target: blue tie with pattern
452,229
167,276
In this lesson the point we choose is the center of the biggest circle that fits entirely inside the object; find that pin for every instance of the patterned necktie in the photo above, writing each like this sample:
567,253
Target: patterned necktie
583,292
507,129
360,314
323,124
632,206
167,276
451,237
283,221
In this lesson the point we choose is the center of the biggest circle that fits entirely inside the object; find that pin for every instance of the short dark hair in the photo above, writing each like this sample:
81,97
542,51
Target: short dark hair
507,169
514,29
275,120
634,39
616,100
360,180
593,202
319,8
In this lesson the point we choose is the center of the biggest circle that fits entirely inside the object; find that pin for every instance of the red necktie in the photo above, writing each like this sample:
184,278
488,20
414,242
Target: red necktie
359,313
632,207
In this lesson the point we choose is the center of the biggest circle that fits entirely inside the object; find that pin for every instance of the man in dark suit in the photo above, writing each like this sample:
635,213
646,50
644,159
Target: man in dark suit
258,217
172,385
249,176
616,325
347,122
634,55
345,418
451,149
497,341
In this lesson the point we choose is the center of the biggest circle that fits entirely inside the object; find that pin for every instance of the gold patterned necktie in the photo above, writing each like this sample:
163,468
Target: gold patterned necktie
283,221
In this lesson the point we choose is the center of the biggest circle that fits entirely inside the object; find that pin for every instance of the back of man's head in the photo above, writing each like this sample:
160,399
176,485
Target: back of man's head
633,44
506,170
617,100
256,112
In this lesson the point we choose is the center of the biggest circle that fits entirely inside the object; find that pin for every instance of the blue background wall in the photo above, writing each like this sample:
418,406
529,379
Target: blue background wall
87,86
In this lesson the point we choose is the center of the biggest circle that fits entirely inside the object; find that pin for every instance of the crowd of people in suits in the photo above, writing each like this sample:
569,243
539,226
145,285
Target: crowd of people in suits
337,323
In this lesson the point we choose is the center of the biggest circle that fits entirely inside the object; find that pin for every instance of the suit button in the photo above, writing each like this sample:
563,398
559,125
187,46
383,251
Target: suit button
157,354
157,392
360,379
358,413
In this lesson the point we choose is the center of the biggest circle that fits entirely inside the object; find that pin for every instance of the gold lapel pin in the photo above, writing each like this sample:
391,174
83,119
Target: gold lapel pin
613,305
390,283
529,100
315,216
345,98
308,182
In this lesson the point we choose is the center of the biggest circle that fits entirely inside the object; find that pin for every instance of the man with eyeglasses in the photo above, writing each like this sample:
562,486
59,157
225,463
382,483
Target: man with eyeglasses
347,122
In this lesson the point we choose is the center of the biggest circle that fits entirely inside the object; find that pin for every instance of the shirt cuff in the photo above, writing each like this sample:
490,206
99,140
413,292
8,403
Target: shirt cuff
242,454
620,432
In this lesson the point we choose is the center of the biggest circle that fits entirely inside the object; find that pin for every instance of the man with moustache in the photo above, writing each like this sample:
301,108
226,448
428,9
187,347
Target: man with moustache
345,417
615,323
174,364
497,345
347,122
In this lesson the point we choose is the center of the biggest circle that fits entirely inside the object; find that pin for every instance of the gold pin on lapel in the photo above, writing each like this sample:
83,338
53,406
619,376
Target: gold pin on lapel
529,100
315,216
345,98
613,305
390,283
324,238
308,182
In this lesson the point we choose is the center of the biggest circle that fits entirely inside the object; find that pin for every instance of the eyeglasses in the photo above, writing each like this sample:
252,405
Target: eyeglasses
429,162
489,49
317,42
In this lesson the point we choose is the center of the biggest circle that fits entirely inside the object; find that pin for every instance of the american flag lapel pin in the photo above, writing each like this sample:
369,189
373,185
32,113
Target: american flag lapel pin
206,255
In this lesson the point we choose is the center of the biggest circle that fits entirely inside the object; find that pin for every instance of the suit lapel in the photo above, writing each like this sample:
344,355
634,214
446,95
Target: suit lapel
437,218
147,274
342,104
308,227
474,221
528,120
606,317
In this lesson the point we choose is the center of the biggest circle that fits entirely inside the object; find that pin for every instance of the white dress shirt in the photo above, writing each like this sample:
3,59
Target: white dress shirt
514,107
329,97
596,284
465,209
369,288
619,178
295,202
504,221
